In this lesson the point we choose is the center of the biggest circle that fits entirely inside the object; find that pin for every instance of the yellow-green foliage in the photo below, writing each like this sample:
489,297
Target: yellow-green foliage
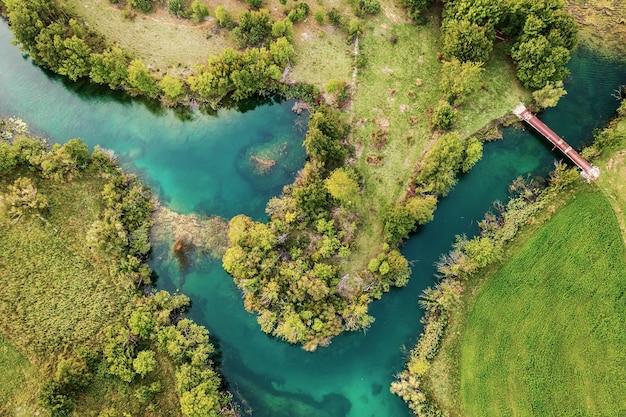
72,275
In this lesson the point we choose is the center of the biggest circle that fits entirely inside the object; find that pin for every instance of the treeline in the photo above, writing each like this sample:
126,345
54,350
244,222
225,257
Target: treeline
465,262
150,334
538,34
65,45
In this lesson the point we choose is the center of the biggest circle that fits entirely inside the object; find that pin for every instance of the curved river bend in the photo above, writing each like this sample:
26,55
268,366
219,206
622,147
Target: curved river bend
198,164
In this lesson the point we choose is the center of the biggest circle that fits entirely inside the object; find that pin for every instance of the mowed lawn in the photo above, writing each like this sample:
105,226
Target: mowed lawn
547,334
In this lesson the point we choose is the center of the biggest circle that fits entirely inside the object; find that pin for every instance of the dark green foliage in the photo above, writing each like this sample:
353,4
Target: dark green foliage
144,6
54,398
299,13
416,7
398,222
467,41
255,4
369,6
540,62
254,27
542,35
176,7
322,140
334,17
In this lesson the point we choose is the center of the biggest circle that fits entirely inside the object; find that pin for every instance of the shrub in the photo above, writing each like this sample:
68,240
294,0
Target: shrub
144,6
199,11
334,17
369,6
255,4
444,116
318,15
299,13
224,18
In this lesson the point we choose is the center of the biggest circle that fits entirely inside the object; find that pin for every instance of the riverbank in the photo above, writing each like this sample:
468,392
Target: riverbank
466,366
527,335
94,339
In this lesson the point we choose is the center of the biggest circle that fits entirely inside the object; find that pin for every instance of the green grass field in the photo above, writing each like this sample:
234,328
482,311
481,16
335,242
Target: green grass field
546,335
18,382
613,178
395,91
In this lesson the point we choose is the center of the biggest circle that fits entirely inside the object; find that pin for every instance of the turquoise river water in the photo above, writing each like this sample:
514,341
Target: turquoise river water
200,164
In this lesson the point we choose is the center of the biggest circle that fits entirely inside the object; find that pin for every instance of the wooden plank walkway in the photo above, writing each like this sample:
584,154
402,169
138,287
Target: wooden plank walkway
588,171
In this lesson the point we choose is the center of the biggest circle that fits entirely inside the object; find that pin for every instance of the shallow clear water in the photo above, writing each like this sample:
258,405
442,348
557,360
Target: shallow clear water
202,166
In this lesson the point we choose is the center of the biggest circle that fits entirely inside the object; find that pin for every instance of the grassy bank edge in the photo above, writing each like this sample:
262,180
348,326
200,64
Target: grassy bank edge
439,382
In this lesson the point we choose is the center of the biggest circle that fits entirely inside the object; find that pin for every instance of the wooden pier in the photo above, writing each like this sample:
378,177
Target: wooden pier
588,171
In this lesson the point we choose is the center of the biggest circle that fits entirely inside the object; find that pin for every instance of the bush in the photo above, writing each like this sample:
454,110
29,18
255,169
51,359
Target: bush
224,18
254,26
334,17
255,4
176,7
144,6
318,15
299,13
369,6
444,116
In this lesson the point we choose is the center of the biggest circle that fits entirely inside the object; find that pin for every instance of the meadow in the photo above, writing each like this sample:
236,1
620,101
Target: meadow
545,334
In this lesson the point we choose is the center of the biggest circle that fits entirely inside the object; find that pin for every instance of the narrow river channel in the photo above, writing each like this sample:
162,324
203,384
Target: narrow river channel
196,165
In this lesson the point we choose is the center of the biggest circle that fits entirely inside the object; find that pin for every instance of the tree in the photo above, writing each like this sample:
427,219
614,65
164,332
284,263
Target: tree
65,161
199,11
110,67
144,6
540,62
223,17
342,186
145,362
140,78
422,208
444,116
438,174
466,41
176,7
172,87
415,8
200,401
76,61
283,28
22,199
141,323
254,26
473,154
8,158
460,79
549,95
398,222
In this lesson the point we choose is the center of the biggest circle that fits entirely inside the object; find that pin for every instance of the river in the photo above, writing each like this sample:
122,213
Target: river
198,164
